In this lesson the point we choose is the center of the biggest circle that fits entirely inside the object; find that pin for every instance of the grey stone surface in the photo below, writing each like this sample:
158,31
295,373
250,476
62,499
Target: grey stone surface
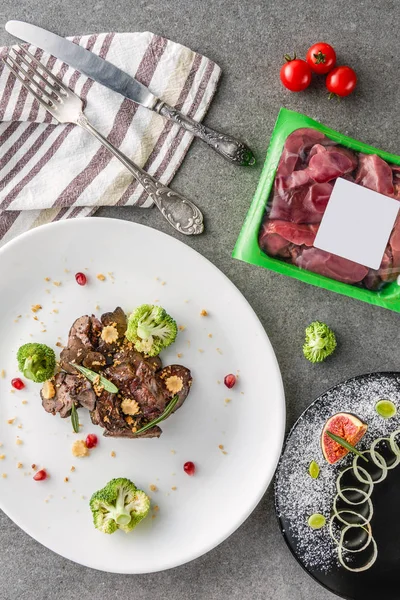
247,39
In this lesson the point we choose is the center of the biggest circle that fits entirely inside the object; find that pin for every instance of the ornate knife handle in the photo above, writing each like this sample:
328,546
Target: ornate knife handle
181,213
231,149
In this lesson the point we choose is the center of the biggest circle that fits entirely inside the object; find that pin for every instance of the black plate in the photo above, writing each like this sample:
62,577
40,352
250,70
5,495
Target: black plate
297,497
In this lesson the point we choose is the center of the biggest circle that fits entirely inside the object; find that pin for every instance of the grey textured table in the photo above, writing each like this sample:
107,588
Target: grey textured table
247,39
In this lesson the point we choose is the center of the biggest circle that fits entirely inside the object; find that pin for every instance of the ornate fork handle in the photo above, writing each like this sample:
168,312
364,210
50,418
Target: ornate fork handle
180,212
231,149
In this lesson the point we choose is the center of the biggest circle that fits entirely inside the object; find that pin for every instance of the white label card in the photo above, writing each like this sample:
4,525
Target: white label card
357,223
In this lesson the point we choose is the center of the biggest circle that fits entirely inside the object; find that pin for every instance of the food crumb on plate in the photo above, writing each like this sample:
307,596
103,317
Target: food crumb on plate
156,508
153,516
19,426
174,488
59,345
219,350
72,469
2,456
47,278
55,310
57,283
112,454
4,475
12,391
43,330
224,452
153,487
2,373
79,449
201,350
67,271
204,313
227,400
210,335
11,421
101,277
179,355
36,307
173,451
66,479
242,393
24,401
221,447
181,327
19,465
18,441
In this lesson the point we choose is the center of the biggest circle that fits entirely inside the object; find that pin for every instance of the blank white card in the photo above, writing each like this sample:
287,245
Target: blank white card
357,223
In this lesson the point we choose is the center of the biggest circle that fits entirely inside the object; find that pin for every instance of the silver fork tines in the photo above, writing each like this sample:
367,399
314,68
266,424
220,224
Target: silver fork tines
66,107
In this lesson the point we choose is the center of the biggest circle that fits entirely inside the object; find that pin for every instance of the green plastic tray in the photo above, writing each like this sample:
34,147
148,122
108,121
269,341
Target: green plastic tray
247,248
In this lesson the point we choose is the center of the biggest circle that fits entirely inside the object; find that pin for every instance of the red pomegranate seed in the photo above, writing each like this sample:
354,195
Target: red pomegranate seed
81,278
91,440
40,475
189,468
230,381
17,383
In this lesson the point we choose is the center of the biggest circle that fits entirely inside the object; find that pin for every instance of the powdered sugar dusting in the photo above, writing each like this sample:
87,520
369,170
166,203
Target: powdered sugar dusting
298,496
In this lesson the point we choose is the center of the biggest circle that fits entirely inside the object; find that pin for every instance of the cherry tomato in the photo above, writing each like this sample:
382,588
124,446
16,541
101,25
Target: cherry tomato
295,74
341,81
321,57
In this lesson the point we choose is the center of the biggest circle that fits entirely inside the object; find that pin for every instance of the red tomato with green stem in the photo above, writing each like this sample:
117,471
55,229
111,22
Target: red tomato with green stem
295,74
321,58
341,81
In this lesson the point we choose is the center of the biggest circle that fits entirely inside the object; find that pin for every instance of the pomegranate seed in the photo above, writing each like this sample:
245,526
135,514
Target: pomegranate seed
40,475
17,383
91,440
81,278
189,468
230,381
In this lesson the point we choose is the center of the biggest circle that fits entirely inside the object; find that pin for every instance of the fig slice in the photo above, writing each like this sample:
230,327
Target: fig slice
346,426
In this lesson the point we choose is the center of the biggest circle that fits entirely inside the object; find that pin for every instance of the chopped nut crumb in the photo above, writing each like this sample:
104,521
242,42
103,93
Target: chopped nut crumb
12,391
174,487
201,350
79,449
4,475
48,292
223,452
47,278
57,283
36,307
43,330
153,516
112,454
19,426
210,335
11,421
101,277
18,441
66,479
227,400
219,350
181,327
2,373
204,313
67,271
34,467
19,465
72,469
55,310
153,487
97,307
179,355
24,401
2,456
156,508
221,447
134,429
59,345
129,420
242,393
36,318
173,451
218,381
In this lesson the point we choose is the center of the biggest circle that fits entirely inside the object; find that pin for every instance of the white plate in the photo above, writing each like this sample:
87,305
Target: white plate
204,509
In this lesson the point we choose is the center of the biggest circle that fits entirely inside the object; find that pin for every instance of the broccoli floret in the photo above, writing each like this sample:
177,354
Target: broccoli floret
36,362
320,342
151,329
119,505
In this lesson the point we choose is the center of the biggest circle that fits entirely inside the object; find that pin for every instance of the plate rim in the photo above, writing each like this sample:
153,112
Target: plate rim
330,389
267,481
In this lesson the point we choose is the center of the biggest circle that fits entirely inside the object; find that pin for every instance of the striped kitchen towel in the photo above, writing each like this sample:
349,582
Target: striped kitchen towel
50,171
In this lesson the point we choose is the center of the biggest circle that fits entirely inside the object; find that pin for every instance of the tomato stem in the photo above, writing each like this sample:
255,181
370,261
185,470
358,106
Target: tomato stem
320,58
288,58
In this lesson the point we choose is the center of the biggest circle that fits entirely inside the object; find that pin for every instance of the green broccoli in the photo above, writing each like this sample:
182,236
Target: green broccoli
36,362
320,342
151,329
119,505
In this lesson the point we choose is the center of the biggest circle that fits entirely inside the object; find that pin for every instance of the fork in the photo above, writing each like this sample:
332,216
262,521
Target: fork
66,107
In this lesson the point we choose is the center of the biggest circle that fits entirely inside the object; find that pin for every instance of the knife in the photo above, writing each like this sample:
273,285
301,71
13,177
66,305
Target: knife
117,80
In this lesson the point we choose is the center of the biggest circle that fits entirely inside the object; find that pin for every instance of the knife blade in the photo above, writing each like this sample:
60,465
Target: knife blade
117,80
